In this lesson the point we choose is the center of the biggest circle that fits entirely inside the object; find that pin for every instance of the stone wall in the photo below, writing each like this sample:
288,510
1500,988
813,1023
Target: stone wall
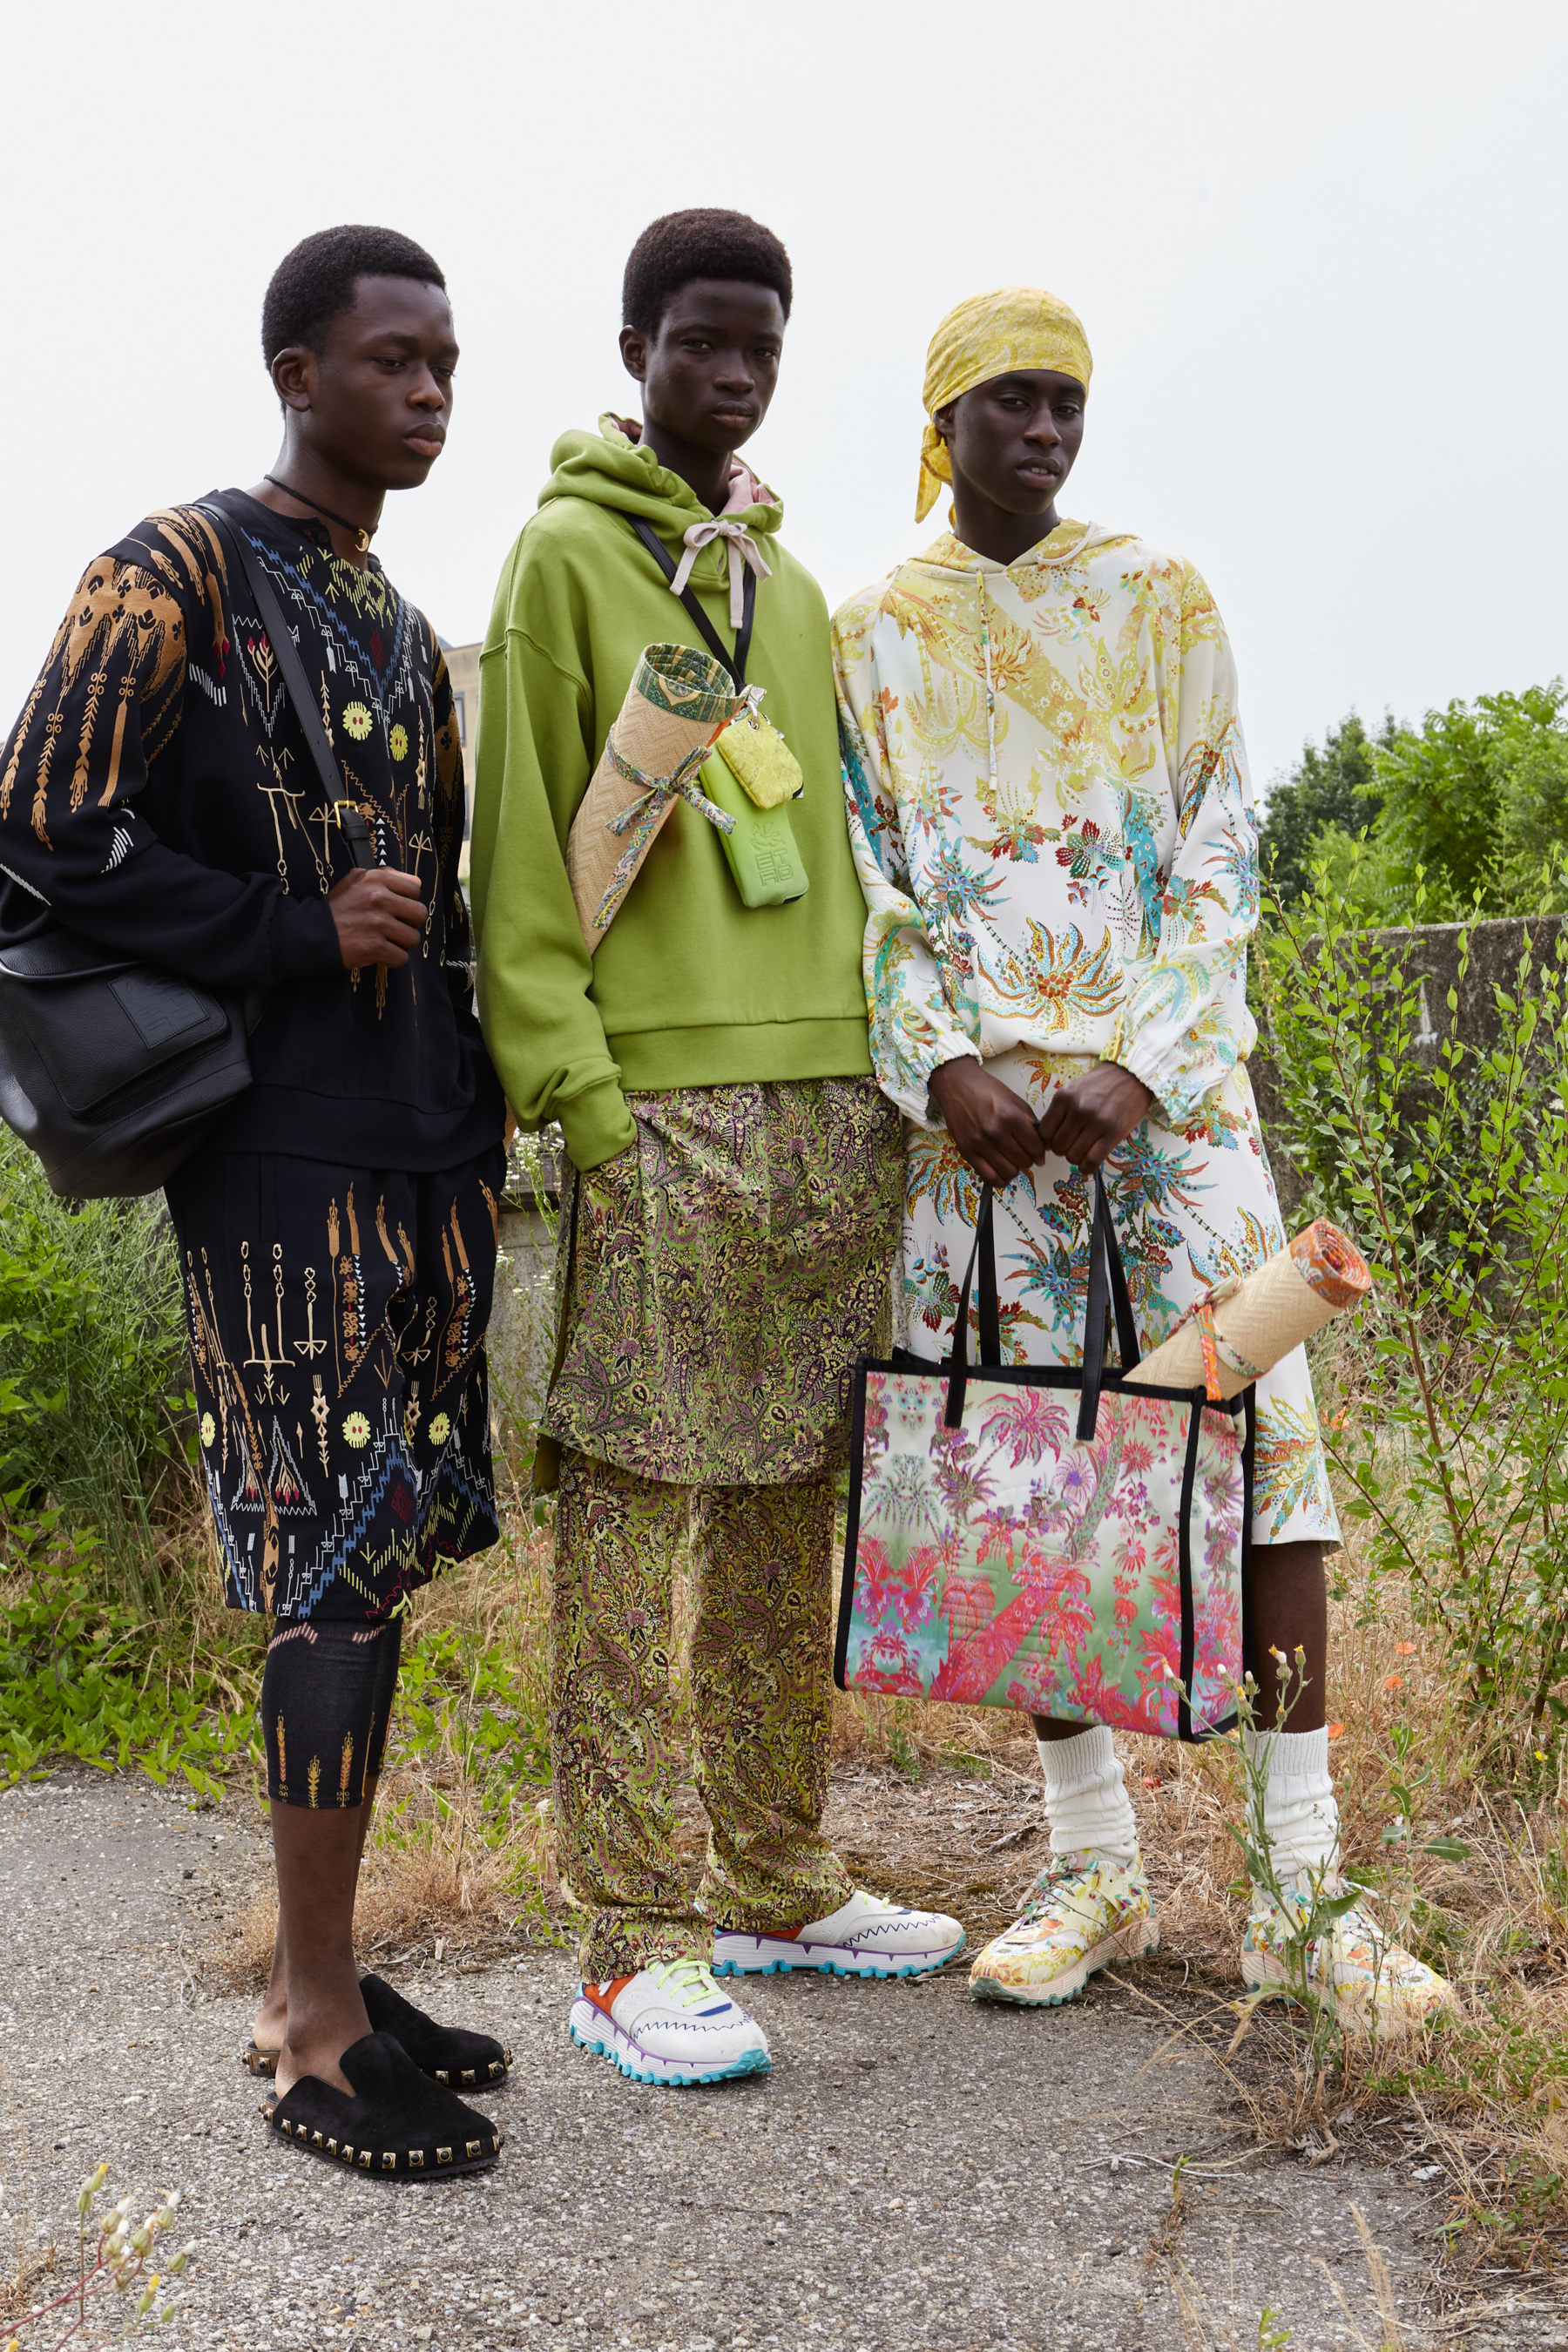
1430,953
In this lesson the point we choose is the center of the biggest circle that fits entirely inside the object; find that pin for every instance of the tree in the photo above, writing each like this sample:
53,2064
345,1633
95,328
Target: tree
1333,787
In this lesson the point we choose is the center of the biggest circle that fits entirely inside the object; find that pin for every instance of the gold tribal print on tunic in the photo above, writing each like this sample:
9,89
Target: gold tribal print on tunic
337,1321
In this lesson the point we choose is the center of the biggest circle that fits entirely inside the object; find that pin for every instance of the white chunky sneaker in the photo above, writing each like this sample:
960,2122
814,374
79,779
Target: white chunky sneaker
864,1938
669,2023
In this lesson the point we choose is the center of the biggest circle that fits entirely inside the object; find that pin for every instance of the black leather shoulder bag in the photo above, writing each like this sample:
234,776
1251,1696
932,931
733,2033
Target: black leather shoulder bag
113,1070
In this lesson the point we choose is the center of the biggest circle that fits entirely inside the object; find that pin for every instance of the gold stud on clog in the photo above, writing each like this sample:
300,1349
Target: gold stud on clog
415,2159
467,2074
389,2160
443,2156
473,2148
364,2159
442,2076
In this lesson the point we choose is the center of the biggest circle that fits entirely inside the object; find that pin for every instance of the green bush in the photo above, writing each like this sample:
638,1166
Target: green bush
1449,1167
93,1396
1470,808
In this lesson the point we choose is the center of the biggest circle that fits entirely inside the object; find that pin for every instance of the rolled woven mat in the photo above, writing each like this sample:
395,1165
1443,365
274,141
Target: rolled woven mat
1254,1320
679,701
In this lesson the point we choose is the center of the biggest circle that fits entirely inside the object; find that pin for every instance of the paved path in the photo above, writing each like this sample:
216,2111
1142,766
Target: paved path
916,2172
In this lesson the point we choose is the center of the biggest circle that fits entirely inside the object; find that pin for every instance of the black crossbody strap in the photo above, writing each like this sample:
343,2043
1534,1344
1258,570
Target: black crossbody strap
280,637
734,663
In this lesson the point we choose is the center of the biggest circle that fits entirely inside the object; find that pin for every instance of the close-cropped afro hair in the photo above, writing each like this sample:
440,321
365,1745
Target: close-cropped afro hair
703,243
315,284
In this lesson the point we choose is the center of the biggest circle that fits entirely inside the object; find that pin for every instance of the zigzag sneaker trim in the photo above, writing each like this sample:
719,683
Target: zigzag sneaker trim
669,2023
864,1938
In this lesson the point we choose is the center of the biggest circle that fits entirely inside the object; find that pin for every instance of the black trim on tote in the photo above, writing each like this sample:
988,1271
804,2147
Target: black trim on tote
1189,1626
852,1522
1248,1624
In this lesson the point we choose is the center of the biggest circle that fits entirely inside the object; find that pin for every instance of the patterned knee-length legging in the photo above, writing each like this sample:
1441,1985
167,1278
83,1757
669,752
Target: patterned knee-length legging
761,1702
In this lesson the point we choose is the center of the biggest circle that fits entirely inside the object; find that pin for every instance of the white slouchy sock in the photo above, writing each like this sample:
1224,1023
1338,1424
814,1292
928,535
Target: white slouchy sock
1300,1814
1085,1803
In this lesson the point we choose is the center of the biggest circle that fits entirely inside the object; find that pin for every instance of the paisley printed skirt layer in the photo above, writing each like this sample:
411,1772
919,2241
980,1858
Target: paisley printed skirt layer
337,1321
1189,1206
718,1280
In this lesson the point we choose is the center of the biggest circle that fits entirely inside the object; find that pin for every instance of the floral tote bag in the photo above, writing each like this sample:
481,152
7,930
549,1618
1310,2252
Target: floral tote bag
1048,1539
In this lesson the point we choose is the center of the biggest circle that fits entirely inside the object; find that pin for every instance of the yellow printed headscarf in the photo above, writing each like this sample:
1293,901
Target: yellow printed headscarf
991,334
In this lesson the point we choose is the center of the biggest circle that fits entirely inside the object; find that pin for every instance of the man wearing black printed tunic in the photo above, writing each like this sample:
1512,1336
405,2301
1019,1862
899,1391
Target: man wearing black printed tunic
337,1232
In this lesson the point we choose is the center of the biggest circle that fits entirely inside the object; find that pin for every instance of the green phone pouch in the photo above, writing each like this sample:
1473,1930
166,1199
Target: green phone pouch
762,849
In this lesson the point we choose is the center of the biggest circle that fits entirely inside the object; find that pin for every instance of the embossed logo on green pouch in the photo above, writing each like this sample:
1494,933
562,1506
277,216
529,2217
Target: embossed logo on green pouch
762,850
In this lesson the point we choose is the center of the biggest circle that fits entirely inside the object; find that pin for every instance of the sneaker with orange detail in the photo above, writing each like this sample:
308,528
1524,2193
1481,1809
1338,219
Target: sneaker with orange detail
1083,1912
1371,1985
669,2023
864,1938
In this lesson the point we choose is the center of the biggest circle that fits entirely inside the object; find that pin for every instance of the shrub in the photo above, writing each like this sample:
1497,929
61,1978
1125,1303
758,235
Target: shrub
1450,1168
93,1344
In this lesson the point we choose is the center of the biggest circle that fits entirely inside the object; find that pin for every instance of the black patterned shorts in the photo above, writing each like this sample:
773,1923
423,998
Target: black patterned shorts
337,1321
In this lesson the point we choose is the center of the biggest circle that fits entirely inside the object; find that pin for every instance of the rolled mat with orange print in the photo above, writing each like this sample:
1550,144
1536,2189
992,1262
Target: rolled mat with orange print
679,702
1247,1323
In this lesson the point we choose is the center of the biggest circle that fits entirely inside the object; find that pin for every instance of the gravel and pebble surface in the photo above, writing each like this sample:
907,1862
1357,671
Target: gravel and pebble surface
916,2172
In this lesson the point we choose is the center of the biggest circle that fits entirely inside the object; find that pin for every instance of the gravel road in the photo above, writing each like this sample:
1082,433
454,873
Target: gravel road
916,2172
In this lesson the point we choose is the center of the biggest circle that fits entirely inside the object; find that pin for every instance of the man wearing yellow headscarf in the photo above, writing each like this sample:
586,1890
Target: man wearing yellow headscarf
1053,826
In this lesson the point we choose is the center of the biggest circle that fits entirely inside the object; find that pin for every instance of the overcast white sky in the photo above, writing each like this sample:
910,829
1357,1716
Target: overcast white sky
1318,251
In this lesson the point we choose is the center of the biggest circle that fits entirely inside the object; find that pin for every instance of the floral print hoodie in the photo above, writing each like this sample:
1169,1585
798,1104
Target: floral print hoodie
1050,814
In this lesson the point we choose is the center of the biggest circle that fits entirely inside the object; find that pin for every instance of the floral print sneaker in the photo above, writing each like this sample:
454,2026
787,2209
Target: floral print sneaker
1372,1985
1084,1910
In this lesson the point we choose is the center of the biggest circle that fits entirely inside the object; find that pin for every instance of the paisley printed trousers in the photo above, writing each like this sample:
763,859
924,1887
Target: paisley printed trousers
760,1700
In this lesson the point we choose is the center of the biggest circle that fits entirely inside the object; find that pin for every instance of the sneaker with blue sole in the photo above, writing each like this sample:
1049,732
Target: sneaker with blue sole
669,2023
864,1938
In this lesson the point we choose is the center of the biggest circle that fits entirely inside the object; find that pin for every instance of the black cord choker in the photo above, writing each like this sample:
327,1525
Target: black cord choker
362,536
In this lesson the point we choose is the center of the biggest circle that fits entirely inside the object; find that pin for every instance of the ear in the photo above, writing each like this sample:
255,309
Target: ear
294,377
634,352
944,420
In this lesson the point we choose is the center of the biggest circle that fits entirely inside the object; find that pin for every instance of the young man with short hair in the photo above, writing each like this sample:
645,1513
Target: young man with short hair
732,1200
1053,826
337,1229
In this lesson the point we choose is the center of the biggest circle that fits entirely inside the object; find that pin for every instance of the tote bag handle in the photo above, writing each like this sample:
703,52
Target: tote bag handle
1107,1287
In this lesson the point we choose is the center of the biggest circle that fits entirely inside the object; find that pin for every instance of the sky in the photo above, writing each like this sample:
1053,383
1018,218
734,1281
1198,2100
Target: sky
1318,253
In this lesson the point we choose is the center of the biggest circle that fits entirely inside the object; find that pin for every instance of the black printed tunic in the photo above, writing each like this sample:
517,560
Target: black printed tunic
158,793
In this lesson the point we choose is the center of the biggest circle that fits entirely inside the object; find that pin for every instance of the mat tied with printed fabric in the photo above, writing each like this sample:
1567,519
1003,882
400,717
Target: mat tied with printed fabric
1249,1322
678,703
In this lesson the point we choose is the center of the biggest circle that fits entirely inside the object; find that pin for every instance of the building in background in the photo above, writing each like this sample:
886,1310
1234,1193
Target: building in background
463,669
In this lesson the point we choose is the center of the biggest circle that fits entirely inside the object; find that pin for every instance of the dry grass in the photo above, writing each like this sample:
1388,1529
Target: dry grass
463,1853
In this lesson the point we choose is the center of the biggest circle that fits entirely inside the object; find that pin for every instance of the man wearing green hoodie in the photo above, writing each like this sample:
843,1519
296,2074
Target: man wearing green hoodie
733,1195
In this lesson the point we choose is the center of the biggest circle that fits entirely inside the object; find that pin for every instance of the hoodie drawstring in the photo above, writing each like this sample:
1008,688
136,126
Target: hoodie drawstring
741,549
990,690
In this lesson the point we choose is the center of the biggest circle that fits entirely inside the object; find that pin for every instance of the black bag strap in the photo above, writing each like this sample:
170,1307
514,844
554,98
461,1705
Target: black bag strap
1107,1287
1106,1273
734,663
280,637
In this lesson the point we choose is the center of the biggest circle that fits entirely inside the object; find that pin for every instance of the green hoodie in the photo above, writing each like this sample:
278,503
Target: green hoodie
689,987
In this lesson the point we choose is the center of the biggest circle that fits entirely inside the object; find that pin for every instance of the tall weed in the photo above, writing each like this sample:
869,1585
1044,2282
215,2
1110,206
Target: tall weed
1448,1163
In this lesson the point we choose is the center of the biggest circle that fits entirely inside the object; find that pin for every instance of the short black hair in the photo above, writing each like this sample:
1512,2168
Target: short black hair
703,243
315,284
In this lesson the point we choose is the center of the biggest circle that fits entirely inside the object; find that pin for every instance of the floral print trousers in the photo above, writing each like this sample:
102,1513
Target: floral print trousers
760,1700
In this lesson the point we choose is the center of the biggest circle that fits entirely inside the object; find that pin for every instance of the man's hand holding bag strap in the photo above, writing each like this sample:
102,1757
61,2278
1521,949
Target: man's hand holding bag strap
1107,1287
